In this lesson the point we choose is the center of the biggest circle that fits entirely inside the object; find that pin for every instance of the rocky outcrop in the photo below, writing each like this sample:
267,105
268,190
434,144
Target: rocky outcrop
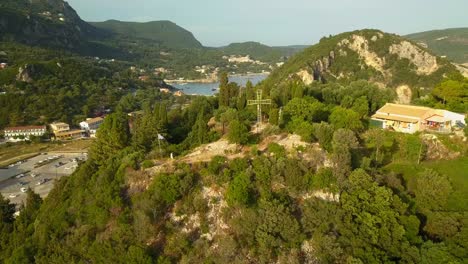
462,68
305,76
404,94
360,45
425,63
25,73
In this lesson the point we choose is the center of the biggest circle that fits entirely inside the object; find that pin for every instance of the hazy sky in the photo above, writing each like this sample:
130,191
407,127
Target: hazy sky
281,22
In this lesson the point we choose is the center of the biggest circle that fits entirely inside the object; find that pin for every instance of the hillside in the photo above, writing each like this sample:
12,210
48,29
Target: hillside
385,59
165,32
452,42
46,23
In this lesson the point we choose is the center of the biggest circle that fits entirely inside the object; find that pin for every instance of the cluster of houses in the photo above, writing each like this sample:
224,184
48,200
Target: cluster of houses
412,119
60,130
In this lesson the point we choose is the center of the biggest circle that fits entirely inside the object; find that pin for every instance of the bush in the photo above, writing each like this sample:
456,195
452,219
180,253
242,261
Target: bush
147,164
238,133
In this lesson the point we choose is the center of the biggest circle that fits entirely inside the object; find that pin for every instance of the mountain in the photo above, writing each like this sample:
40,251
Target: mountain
452,42
385,59
50,23
165,32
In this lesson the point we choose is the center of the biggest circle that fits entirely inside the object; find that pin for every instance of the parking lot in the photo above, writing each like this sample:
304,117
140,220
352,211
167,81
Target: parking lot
38,173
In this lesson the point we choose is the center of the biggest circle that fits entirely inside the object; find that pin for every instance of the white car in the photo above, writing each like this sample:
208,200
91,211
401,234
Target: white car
13,195
19,176
41,182
24,190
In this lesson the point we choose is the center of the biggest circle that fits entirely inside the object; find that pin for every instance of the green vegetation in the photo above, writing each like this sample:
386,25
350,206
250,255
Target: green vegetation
450,42
347,65
165,33
350,195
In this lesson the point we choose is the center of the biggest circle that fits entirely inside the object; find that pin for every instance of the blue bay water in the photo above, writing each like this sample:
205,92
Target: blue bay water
212,88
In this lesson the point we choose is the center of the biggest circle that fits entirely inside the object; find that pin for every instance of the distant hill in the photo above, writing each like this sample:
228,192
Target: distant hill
385,59
165,32
260,51
452,42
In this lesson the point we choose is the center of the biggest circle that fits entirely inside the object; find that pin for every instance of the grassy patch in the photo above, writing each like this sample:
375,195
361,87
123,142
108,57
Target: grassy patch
455,170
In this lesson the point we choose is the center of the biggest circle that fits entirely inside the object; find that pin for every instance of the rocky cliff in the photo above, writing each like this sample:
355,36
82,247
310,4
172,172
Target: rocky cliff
385,59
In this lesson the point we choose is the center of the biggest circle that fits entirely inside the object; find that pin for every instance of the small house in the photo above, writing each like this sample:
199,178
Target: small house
411,119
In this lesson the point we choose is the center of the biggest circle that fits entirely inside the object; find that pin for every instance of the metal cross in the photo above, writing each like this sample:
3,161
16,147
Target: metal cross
259,102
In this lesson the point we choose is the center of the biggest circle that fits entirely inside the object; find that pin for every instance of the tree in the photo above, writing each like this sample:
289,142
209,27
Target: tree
323,132
375,139
7,211
239,190
307,109
238,133
112,136
223,96
432,190
371,228
345,118
344,141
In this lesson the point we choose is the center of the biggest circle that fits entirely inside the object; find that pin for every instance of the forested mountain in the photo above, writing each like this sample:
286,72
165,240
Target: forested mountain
452,42
45,23
165,32
385,59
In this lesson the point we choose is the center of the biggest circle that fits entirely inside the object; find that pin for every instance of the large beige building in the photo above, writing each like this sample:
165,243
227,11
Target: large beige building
23,133
411,119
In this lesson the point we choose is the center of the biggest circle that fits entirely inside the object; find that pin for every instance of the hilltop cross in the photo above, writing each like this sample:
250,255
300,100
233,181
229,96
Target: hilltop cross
259,102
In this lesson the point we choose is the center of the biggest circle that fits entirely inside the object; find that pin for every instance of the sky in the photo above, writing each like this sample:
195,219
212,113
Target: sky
281,22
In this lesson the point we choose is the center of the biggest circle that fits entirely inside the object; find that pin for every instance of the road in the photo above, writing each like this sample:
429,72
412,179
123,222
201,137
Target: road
19,176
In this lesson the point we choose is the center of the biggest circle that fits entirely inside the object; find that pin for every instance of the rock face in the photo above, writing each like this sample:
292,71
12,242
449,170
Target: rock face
25,73
404,94
305,76
426,63
360,45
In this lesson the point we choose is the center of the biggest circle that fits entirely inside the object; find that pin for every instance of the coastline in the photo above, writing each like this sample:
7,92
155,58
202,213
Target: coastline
214,80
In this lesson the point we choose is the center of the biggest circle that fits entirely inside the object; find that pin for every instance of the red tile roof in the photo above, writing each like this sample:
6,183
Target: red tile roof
24,128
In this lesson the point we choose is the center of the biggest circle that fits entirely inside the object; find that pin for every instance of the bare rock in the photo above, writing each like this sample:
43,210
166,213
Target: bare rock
426,63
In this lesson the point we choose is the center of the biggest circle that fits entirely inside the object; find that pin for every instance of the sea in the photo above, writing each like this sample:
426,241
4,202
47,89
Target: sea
209,89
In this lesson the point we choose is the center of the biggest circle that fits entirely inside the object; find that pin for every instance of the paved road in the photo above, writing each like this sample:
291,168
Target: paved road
11,183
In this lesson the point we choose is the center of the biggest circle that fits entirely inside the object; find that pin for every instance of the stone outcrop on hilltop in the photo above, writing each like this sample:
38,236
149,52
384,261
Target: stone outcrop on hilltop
385,59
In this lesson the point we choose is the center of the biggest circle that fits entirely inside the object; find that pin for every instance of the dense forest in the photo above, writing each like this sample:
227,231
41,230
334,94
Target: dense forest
354,194
41,86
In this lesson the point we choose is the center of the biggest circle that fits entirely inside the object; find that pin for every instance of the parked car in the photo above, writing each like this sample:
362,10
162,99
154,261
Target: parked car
19,176
24,189
13,195
41,182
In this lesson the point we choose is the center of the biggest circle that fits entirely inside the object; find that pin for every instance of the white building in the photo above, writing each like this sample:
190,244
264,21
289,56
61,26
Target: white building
91,125
23,133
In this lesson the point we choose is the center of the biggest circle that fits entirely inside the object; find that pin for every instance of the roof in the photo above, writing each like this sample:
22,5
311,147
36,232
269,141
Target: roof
395,118
24,128
409,111
438,119
94,120
59,124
